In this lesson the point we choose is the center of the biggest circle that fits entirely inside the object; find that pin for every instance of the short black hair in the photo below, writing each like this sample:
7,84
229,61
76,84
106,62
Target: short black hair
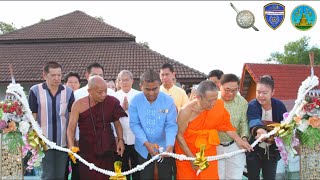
229,78
267,80
167,65
149,76
71,74
188,90
215,73
51,64
96,65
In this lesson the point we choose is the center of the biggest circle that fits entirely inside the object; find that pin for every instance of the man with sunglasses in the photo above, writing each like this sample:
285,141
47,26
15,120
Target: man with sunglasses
237,107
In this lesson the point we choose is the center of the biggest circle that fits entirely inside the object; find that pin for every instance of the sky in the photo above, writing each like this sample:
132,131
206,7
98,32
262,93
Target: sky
203,35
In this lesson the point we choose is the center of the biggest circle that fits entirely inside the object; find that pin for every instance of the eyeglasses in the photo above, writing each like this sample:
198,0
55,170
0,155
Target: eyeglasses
233,91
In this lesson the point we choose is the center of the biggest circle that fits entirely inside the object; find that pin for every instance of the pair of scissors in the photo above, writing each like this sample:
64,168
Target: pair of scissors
159,150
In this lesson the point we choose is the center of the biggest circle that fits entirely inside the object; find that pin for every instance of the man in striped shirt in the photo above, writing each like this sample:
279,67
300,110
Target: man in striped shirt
50,103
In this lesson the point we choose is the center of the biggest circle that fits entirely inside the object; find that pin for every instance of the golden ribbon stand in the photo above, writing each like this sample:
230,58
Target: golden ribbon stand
35,141
284,129
74,150
201,161
117,169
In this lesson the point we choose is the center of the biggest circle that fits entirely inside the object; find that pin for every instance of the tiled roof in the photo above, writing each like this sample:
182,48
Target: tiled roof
75,25
28,59
287,77
75,40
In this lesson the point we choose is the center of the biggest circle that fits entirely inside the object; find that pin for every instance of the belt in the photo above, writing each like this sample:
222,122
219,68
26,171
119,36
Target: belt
227,144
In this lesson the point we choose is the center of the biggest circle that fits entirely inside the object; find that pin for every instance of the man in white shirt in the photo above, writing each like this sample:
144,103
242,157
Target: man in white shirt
93,69
125,95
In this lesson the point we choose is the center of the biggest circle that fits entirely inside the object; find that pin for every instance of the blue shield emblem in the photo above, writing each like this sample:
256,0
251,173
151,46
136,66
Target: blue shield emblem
274,14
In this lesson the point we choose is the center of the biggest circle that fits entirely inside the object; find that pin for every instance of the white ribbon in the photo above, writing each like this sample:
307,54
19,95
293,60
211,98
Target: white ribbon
306,86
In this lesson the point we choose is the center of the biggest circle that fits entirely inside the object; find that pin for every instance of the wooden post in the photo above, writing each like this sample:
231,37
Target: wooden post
11,73
311,57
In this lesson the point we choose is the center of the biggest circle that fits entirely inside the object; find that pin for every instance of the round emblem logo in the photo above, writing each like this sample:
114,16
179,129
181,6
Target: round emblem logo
303,17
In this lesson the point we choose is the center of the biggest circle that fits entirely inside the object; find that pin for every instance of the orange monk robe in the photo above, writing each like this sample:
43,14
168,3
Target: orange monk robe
204,130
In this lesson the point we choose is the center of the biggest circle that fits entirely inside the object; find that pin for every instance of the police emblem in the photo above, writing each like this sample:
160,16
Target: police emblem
274,14
303,17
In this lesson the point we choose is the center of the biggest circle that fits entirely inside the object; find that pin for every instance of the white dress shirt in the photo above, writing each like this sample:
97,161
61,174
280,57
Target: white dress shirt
83,92
128,135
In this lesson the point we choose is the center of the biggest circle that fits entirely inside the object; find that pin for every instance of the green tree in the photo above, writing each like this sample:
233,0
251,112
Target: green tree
100,18
5,27
41,20
144,44
296,52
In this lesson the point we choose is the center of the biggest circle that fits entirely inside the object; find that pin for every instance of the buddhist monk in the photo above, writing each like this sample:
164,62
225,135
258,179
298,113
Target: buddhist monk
94,113
198,123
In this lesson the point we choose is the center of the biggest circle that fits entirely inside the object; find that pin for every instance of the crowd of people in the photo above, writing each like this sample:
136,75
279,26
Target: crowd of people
110,121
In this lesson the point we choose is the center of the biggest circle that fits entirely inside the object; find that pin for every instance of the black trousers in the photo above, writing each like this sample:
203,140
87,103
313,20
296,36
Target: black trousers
255,164
129,154
165,171
75,171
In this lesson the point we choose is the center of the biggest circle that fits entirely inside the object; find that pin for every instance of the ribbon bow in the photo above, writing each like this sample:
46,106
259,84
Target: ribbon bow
201,161
35,141
74,150
117,169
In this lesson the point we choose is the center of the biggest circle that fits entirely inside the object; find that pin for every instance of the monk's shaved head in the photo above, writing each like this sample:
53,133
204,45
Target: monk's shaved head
97,88
95,80
205,86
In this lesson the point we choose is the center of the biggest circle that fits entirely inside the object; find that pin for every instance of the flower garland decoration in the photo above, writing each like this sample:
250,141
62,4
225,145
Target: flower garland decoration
303,121
12,124
15,126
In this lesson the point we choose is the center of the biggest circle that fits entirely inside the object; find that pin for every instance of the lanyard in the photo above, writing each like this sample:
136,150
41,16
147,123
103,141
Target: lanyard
92,120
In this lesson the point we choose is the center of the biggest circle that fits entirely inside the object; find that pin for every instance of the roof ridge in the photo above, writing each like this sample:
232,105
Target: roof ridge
73,25
279,64
104,23
40,22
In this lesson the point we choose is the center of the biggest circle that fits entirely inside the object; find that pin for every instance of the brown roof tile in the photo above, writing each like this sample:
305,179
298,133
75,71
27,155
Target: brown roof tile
28,59
75,25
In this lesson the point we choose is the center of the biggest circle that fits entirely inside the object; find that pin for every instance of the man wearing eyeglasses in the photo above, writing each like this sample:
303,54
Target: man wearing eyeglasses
236,105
